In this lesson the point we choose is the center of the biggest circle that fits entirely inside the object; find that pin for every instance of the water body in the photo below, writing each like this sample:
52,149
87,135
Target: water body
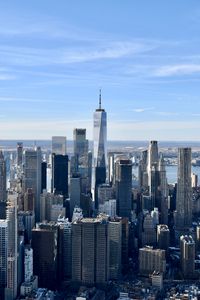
172,173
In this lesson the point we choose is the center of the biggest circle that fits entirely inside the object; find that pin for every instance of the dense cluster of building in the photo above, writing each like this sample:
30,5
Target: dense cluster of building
92,228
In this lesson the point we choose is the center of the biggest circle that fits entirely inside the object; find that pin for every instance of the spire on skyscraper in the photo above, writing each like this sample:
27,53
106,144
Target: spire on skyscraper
100,99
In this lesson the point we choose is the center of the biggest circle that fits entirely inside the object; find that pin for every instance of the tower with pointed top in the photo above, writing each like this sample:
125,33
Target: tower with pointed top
99,148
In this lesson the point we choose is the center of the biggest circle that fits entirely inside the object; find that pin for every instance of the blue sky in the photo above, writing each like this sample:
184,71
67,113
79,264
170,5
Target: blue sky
55,55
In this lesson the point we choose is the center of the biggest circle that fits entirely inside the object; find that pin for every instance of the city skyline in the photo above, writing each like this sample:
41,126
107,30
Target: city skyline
144,56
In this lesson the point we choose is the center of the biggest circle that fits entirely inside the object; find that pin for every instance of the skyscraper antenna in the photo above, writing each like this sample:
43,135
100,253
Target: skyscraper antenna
100,99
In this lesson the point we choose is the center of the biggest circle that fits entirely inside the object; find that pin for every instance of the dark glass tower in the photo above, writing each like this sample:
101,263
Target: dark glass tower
60,174
123,175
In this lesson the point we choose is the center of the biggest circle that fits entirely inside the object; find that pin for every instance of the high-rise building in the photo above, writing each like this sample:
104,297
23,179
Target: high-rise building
184,190
105,193
142,170
29,200
28,263
11,212
60,174
163,177
44,244
19,154
187,247
90,251
50,205
75,192
152,158
151,260
3,196
66,249
115,248
99,148
197,239
59,145
44,176
149,231
163,237
32,176
3,255
80,145
154,184
123,184
26,222
194,180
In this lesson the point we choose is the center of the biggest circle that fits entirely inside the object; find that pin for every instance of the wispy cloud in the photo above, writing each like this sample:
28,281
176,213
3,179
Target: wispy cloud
141,110
67,55
179,70
167,113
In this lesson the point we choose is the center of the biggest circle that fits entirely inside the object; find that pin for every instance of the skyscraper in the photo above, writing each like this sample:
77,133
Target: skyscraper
90,251
59,145
184,190
187,247
80,143
19,154
123,182
3,255
152,158
99,148
11,287
33,177
2,178
60,174
44,244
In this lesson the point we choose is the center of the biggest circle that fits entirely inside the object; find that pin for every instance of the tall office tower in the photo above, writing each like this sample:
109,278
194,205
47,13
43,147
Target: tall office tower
90,251
123,184
187,247
80,145
45,257
33,177
151,260
11,212
163,237
48,203
28,263
99,148
105,193
163,178
184,190
111,166
29,200
2,178
125,244
115,249
66,249
89,173
60,174
44,176
154,187
194,180
164,192
58,145
152,158
149,231
26,222
109,208
19,154
197,239
75,192
3,255
142,170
